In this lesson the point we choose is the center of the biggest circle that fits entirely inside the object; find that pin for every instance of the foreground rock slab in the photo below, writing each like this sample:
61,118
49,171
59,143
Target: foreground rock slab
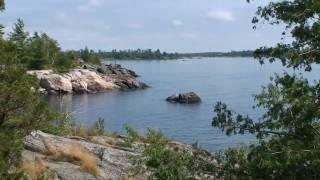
113,161
186,98
111,156
88,79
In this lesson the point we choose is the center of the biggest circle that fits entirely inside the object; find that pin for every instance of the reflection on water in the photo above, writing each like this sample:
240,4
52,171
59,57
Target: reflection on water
231,80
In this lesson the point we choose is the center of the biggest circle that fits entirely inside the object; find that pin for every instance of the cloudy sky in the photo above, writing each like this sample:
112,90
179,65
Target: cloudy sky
171,25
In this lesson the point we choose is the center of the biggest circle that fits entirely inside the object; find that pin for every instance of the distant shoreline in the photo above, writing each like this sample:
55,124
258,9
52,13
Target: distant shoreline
158,55
181,58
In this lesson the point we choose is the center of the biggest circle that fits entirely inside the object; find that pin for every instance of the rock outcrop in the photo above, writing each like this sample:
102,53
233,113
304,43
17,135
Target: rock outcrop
111,155
113,162
187,98
89,79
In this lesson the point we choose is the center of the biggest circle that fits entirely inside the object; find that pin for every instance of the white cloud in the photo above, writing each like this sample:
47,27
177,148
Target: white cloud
94,2
83,8
189,35
135,25
177,22
220,14
62,17
89,5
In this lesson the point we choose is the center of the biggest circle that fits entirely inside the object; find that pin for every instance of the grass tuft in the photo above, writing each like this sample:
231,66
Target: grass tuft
34,169
75,152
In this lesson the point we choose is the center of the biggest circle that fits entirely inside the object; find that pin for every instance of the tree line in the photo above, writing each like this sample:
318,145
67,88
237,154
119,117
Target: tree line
247,53
149,54
143,54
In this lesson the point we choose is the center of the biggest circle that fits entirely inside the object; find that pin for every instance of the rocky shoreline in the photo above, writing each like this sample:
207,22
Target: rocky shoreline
110,155
88,79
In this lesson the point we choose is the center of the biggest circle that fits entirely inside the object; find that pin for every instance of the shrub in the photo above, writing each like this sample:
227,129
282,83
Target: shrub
161,161
132,136
63,125
99,127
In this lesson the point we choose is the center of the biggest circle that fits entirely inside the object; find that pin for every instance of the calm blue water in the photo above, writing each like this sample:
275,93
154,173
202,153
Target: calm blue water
231,80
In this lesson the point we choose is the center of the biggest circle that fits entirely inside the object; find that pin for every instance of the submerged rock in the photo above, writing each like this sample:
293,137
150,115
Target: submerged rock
187,98
89,79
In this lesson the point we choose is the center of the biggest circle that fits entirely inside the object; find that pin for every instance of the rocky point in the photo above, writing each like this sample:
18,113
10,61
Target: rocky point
88,79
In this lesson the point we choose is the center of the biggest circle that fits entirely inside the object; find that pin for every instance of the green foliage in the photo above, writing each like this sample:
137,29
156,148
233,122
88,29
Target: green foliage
1,31
65,61
19,35
302,23
2,5
39,51
288,133
64,125
147,54
18,115
161,161
99,126
42,51
219,54
89,56
231,164
61,125
132,136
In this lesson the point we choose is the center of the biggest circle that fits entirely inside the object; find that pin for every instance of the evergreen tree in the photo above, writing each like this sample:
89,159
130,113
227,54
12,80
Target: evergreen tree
18,35
85,54
1,31
18,115
42,51
2,5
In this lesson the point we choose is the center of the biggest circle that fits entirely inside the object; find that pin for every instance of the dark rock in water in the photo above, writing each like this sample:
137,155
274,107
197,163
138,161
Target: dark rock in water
187,98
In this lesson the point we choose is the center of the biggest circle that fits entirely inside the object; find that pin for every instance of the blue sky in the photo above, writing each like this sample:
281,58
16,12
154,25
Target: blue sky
170,25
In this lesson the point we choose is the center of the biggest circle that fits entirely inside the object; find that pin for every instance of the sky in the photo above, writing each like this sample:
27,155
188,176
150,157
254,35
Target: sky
170,25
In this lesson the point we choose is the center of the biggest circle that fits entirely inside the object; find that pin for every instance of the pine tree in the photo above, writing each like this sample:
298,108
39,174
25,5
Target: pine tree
2,5
1,31
19,35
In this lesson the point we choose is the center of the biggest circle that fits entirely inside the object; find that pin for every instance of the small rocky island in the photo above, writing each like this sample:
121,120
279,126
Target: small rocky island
186,98
88,79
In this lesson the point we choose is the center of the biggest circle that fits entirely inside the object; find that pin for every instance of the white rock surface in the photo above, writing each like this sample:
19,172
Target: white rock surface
100,79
